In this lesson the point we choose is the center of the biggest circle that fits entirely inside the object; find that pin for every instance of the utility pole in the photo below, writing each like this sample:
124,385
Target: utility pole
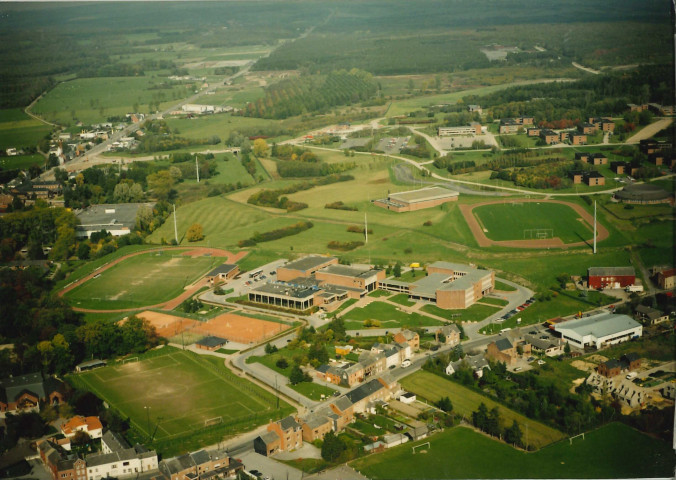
175,226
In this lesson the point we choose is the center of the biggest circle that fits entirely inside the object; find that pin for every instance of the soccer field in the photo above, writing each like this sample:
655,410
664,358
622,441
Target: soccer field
142,280
183,394
524,220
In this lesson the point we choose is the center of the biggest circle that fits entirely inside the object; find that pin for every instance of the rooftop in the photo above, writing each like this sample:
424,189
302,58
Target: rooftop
119,214
211,341
287,290
643,191
610,271
423,195
225,268
348,271
600,325
308,263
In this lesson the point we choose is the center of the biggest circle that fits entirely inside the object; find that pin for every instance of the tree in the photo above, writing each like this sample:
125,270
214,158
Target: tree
396,271
566,349
296,376
493,422
161,183
282,363
194,233
444,403
144,218
260,148
269,348
81,438
332,448
480,417
514,434
83,251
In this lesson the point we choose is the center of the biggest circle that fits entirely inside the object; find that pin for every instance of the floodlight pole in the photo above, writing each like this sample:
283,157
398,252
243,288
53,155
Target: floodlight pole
175,227
594,226
197,169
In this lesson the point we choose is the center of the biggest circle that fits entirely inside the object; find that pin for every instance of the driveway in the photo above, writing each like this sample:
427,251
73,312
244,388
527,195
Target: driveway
269,467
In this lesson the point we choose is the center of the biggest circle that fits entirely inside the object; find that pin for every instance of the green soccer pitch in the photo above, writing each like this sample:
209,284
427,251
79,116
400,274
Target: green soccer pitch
172,393
523,221
141,281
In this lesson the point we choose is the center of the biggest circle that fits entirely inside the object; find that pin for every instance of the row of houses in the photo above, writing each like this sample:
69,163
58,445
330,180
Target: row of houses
289,433
512,125
116,459
664,110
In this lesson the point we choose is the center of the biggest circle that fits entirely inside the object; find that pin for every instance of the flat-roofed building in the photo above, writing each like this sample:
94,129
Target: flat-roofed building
116,219
417,199
222,273
304,267
473,128
600,331
365,278
286,296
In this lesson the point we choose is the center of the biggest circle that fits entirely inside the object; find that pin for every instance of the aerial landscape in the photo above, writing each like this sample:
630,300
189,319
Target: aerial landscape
291,239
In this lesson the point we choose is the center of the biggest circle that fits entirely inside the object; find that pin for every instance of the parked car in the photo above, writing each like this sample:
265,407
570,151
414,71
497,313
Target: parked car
541,362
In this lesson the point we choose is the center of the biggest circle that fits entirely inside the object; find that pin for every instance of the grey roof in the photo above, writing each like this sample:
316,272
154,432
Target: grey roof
541,343
364,391
475,362
610,271
211,341
307,263
33,382
343,403
269,437
600,325
349,271
423,195
286,290
90,363
114,441
316,420
97,217
642,192
648,311
429,284
200,457
450,328
323,368
612,363
289,423
503,344
225,268
631,357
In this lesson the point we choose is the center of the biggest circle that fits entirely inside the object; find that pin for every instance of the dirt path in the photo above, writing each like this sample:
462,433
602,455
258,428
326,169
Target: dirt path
171,304
650,130
484,241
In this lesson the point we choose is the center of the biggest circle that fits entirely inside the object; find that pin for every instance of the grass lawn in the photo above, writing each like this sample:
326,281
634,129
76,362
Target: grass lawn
388,316
226,351
508,221
402,299
313,391
199,389
504,287
474,313
465,401
494,301
21,162
270,360
19,130
379,293
140,281
613,451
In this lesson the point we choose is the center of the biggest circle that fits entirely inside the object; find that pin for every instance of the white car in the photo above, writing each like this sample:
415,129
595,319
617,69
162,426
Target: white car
541,362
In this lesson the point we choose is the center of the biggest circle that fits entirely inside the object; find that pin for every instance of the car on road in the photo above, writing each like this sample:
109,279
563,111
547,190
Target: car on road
336,393
530,359
541,362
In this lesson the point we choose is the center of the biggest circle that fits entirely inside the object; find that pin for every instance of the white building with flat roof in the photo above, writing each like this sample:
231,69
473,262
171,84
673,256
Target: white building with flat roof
600,331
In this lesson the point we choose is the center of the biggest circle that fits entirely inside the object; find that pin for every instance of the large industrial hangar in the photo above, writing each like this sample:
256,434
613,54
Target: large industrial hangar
599,330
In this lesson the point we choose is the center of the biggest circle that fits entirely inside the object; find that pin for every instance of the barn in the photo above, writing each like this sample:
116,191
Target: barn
610,277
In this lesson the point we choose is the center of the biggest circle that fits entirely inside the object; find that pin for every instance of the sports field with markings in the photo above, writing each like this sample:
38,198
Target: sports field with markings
183,393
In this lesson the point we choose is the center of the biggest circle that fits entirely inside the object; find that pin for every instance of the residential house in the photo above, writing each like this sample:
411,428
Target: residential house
603,124
377,389
407,336
477,363
267,444
448,334
200,465
316,425
25,392
118,459
342,412
550,346
504,350
90,425
650,316
61,466
289,431
610,368
594,178
373,363
666,279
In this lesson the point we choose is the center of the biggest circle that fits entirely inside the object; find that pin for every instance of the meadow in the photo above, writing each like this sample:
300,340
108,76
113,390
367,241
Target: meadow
511,221
612,451
387,315
21,161
181,391
143,280
465,401
18,130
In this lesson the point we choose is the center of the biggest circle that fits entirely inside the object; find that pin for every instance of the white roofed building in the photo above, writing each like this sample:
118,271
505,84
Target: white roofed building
600,331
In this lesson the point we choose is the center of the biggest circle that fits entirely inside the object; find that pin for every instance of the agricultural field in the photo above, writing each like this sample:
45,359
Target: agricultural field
143,280
465,401
612,451
182,391
18,130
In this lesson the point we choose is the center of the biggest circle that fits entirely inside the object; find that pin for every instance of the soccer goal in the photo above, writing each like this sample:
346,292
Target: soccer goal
538,233
570,439
129,360
422,444
213,421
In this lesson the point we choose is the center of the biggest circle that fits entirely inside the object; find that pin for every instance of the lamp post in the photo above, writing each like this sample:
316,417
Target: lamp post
147,409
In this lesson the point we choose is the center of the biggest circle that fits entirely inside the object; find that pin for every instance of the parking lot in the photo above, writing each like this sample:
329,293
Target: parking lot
244,282
392,144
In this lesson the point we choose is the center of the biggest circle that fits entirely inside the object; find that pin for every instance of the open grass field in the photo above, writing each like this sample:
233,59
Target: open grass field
181,390
221,124
143,280
613,451
21,162
507,221
465,401
86,97
387,315
18,130
474,313
313,391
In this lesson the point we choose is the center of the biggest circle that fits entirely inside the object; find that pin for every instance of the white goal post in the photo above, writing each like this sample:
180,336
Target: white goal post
128,360
570,439
416,446
538,233
213,421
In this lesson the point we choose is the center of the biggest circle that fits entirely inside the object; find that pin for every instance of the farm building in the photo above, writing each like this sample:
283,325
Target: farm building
116,219
417,199
666,279
449,285
610,277
599,331
222,273
473,128
643,193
